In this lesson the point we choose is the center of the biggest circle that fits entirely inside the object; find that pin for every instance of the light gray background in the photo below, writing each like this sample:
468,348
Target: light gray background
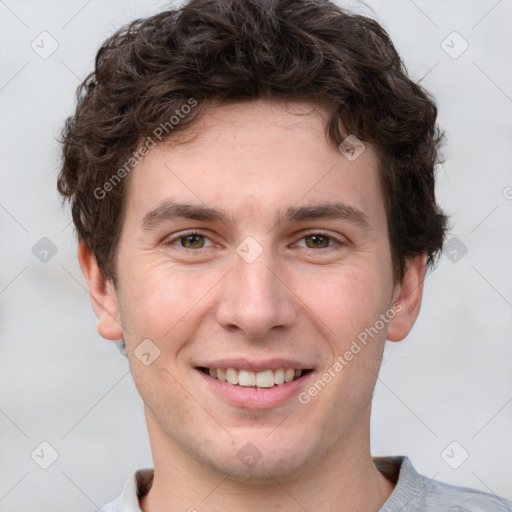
60,382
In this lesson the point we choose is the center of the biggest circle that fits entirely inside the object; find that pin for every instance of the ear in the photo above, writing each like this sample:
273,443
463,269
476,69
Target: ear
408,296
102,294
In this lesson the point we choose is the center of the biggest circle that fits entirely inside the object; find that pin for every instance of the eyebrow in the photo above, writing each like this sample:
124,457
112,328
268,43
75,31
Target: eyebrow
335,211
170,211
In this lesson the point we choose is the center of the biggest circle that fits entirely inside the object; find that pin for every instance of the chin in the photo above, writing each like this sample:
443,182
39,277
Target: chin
265,471
261,462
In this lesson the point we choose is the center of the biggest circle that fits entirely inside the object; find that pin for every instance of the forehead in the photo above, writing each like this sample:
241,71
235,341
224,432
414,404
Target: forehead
255,160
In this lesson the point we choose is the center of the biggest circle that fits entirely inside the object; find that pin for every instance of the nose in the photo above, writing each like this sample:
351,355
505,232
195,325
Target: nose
255,298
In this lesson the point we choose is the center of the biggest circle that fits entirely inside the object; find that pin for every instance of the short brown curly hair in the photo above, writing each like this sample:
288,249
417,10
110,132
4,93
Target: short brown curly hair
234,50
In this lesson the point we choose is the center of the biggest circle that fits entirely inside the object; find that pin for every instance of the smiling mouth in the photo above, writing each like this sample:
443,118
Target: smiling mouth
246,378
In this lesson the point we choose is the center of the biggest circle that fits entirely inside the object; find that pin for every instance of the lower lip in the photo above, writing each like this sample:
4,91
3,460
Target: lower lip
256,398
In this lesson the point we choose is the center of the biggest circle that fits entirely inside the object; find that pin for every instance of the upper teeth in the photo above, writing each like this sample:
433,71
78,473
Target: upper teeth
264,379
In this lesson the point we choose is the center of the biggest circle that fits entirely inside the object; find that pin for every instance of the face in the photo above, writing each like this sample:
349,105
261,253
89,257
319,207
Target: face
258,247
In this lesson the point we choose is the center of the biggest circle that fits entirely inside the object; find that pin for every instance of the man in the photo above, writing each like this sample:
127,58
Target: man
252,186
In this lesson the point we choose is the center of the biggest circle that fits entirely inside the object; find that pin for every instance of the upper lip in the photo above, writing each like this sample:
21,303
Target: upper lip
255,366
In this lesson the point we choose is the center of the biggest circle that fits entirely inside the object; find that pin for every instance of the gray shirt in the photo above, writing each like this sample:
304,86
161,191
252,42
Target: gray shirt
413,492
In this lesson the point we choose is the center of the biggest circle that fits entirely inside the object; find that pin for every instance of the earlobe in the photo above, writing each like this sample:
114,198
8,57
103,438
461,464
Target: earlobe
408,299
102,294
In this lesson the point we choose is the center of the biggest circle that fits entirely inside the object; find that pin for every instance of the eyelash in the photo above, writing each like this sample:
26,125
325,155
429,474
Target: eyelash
181,236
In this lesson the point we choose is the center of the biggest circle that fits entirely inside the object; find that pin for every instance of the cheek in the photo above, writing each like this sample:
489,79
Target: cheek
161,299
348,309
158,306
347,300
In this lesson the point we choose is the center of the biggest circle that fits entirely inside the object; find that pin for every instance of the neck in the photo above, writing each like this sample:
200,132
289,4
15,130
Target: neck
343,480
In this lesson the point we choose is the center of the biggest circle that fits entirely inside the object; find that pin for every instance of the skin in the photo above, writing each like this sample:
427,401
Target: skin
296,300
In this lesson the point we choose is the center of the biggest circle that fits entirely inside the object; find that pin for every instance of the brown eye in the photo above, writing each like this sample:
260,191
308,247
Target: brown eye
192,241
317,241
